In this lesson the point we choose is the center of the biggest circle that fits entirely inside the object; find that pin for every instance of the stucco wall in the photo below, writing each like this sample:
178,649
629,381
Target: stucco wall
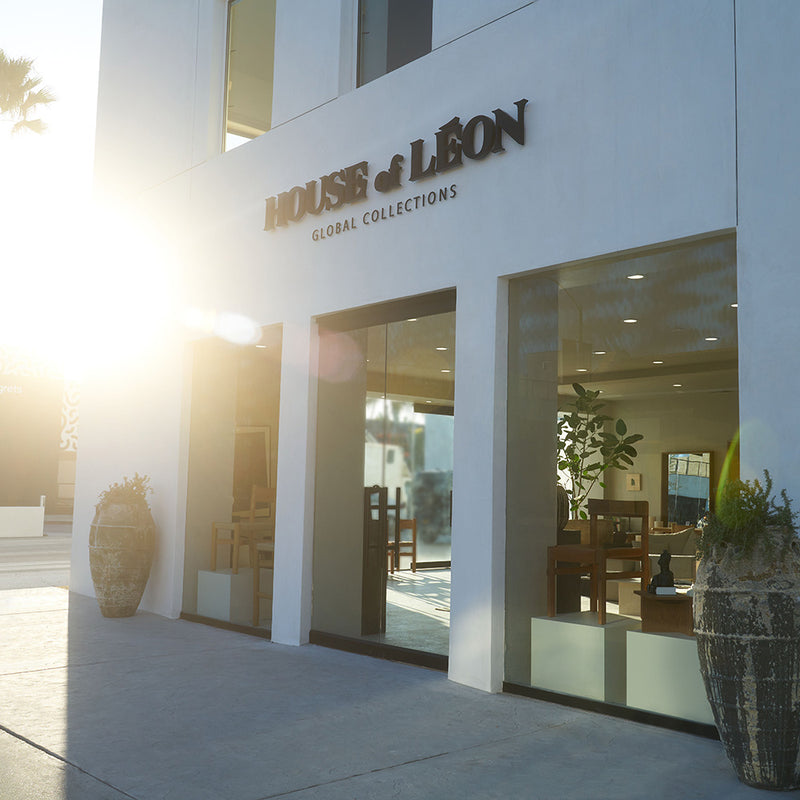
630,141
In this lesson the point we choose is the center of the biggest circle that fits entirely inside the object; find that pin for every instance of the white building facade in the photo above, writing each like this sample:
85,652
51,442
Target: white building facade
576,143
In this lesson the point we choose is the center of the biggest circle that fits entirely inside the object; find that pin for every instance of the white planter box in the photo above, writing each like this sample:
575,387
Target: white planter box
22,521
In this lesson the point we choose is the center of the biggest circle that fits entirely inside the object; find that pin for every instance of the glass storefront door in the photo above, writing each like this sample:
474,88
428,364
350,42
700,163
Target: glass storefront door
386,422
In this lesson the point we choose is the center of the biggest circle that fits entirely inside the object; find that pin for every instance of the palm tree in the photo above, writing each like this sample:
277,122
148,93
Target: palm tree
21,92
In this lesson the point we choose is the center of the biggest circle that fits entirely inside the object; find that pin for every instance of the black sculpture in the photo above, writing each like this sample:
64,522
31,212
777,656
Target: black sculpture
665,577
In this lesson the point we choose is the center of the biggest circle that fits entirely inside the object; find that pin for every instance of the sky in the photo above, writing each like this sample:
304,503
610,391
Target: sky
46,180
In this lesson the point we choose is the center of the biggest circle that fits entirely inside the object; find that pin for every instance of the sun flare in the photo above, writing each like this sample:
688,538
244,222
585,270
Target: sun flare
88,291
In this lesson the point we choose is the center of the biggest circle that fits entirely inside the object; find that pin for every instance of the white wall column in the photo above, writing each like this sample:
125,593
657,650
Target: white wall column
294,520
479,470
768,241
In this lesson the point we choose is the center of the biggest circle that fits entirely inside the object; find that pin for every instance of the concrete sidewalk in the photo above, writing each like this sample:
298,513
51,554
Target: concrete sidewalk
150,708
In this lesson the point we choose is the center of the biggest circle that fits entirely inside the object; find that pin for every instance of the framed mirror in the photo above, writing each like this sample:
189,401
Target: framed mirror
686,490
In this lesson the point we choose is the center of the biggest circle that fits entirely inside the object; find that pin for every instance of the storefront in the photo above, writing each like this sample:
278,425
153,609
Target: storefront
389,271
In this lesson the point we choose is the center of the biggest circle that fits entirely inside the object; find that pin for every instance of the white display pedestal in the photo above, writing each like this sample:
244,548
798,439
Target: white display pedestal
22,521
225,596
572,654
664,676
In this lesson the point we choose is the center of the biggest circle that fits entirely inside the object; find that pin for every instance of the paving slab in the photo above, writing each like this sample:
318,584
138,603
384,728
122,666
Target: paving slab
29,774
158,709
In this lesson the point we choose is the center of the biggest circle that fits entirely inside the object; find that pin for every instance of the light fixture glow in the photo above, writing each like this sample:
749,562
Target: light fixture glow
412,319
598,352
734,305
658,362
636,277
630,321
581,369
712,338
677,385
441,348
444,370
261,346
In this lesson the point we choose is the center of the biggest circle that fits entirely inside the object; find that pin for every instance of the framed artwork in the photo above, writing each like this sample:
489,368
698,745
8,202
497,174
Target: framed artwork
633,481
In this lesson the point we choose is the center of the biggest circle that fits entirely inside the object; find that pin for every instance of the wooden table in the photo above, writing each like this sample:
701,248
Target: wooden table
667,613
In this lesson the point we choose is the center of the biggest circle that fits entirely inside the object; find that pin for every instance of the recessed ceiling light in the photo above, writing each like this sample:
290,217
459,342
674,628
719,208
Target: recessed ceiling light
677,385
581,369
598,352
712,338
636,277
261,346
444,370
441,348
630,321
429,401
412,319
658,362
734,305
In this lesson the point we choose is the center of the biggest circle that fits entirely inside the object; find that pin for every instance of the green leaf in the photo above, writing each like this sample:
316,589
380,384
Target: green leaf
579,390
621,427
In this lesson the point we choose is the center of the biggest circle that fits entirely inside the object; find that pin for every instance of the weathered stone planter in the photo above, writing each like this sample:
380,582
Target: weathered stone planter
747,626
121,545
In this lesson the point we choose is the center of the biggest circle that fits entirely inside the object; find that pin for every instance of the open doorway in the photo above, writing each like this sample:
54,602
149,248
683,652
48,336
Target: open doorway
385,443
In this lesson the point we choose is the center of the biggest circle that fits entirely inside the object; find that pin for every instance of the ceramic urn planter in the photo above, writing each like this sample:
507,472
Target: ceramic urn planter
121,546
747,626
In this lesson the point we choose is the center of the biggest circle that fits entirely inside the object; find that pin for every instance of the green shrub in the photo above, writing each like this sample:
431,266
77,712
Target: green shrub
744,510
131,490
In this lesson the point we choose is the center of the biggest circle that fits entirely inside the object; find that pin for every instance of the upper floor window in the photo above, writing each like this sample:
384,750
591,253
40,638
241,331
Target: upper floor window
251,59
391,33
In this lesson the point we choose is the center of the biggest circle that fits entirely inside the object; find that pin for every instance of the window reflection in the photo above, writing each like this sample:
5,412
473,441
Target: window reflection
251,53
391,33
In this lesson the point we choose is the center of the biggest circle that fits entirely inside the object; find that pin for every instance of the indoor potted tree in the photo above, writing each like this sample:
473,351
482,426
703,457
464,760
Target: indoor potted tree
587,450
747,626
121,546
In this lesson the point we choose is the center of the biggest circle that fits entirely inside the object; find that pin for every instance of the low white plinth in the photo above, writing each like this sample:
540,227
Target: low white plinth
223,595
19,521
664,676
572,654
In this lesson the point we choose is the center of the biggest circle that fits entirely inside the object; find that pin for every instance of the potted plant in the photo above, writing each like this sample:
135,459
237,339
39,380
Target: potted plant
587,450
747,626
121,546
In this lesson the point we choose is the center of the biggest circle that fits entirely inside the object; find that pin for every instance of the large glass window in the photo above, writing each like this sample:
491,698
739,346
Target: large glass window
251,57
233,466
655,335
391,33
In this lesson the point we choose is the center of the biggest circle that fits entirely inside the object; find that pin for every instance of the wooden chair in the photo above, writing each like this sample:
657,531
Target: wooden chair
405,547
571,559
591,559
262,554
637,552
255,524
